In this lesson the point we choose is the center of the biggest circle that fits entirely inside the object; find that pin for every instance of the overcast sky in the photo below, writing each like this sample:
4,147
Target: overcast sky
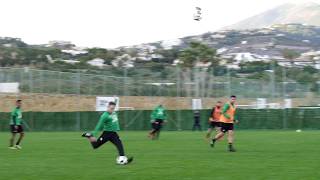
113,23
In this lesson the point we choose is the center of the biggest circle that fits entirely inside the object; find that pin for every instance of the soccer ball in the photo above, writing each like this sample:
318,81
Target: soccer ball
122,160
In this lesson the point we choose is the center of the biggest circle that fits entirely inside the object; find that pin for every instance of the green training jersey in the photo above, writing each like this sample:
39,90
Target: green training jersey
16,116
159,113
107,122
226,108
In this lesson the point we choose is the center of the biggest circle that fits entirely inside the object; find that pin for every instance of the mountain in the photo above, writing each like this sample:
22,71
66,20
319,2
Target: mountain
264,41
305,13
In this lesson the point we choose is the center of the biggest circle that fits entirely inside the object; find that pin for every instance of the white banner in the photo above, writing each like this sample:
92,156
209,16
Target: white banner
261,103
102,103
9,87
196,104
287,103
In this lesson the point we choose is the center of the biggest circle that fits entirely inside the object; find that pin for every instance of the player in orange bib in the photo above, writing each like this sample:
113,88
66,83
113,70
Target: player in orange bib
214,119
227,119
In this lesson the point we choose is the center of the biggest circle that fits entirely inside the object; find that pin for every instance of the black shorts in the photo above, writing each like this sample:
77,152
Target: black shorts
18,130
214,124
225,127
157,124
105,137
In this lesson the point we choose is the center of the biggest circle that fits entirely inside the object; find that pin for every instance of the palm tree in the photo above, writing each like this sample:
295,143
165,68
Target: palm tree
290,55
189,57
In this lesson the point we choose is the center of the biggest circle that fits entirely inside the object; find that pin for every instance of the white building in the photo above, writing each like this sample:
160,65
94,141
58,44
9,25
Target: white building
244,57
75,52
156,56
233,66
98,62
177,62
221,50
244,42
71,61
203,64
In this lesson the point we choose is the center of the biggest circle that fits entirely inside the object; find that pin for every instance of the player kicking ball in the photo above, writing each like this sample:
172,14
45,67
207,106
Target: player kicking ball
227,119
109,124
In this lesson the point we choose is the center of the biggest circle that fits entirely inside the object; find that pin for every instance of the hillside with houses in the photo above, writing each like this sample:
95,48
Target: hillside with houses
238,46
232,46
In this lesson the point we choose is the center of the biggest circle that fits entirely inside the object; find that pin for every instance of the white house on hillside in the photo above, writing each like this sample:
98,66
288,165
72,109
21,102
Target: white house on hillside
71,61
98,62
75,52
249,57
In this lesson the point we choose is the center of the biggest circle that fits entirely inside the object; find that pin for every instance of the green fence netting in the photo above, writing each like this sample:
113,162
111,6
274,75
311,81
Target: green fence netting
177,120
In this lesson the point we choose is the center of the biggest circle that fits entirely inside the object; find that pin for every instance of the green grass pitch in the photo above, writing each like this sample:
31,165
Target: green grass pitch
177,155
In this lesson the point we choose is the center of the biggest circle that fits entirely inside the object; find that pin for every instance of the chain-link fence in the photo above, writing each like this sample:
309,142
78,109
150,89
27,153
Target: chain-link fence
198,82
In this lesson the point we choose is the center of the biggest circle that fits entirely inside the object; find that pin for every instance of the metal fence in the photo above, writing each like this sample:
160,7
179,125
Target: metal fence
182,83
